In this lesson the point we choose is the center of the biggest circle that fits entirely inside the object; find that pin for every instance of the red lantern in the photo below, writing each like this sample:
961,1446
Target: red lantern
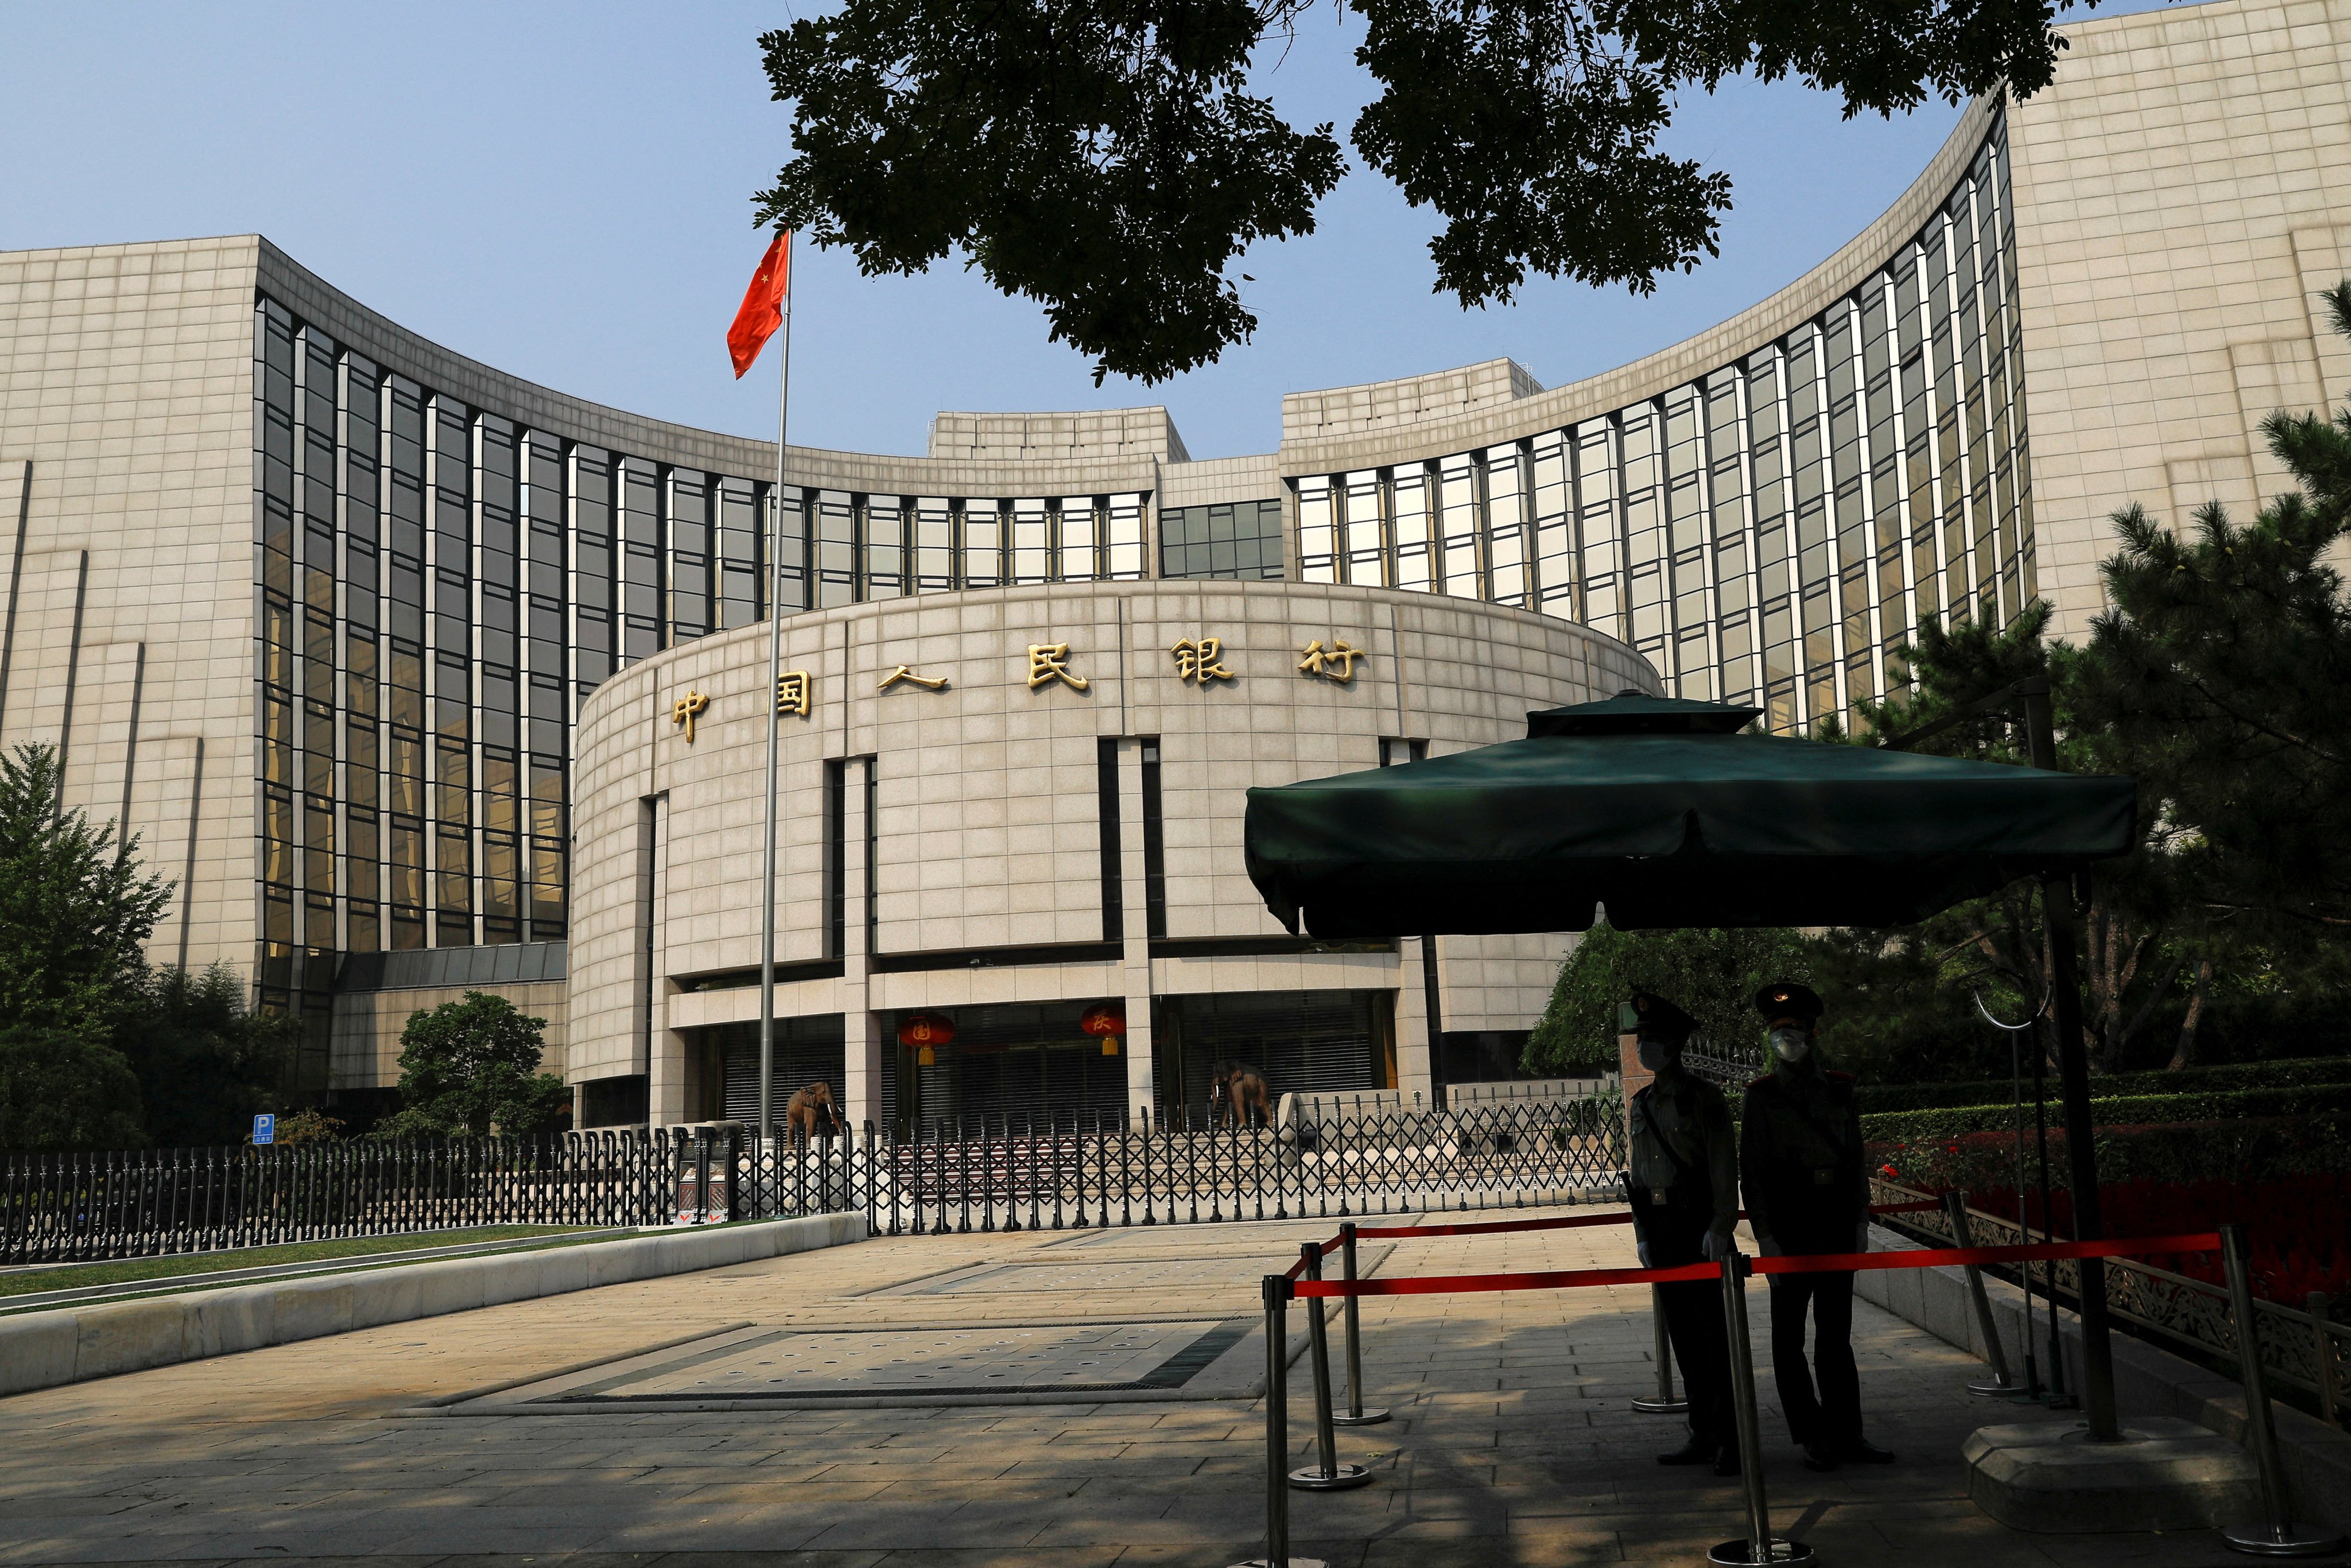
926,1032
1106,1020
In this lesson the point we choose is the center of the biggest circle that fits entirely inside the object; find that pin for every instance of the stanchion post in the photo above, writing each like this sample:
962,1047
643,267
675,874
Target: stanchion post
2320,1316
1356,1414
2275,1535
1276,1292
1955,1209
1664,1404
1330,1475
1759,1546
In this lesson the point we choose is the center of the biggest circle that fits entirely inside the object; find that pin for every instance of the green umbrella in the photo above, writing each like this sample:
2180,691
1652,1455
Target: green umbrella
1660,810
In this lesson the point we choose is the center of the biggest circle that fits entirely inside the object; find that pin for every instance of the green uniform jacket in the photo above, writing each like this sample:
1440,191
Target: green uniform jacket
1801,1160
1683,1148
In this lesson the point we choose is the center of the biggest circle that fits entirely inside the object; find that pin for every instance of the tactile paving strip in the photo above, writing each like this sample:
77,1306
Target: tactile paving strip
784,1365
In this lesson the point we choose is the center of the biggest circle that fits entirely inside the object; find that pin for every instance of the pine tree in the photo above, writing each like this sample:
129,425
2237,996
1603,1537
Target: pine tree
2221,667
76,911
75,907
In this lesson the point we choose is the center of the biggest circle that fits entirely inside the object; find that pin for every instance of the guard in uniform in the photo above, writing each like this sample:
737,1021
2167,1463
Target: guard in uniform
1807,1189
1684,1196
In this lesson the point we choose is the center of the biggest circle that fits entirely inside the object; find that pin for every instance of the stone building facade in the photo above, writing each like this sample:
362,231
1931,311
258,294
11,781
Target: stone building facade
1005,805
326,613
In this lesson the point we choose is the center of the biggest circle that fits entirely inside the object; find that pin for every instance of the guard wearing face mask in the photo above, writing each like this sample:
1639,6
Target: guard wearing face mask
1684,1196
1807,1187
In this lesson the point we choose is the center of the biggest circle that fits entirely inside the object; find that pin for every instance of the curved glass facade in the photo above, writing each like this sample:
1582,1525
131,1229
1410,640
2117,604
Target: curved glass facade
437,588
1769,532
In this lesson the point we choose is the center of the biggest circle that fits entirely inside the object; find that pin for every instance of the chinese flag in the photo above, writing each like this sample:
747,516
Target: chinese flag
763,304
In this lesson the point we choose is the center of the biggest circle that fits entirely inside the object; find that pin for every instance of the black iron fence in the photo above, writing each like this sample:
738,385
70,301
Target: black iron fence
66,1207
1019,1172
2307,1350
1374,1155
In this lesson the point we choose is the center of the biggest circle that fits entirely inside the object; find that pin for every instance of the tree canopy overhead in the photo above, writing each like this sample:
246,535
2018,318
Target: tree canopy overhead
1111,158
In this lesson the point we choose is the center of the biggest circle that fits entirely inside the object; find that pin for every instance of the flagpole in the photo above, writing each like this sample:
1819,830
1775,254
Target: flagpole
774,676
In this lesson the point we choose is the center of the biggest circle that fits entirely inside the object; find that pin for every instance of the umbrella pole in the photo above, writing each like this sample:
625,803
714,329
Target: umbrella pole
2073,1082
1436,1023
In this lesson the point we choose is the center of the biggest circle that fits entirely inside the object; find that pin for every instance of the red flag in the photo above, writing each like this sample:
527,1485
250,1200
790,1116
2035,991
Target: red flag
763,304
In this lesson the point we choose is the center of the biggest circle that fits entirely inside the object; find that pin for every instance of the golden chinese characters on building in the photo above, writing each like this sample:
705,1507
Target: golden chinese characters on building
685,710
1050,661
1336,663
905,672
794,691
1200,662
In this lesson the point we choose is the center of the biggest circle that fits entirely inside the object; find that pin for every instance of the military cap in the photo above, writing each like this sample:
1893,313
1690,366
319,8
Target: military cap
1787,999
1652,1016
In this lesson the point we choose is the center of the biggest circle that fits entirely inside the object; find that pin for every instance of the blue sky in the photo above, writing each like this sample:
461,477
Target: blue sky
564,192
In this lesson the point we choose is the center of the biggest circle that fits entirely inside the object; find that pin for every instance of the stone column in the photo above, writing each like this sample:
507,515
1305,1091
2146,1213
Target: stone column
861,1036
1135,914
668,1077
1412,1024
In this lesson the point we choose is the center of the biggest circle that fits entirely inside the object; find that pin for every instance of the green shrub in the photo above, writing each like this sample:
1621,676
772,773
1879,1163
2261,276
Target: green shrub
62,1088
2237,1149
1883,1097
2134,1110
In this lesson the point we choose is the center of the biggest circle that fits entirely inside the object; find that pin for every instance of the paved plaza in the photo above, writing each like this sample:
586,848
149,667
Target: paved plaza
1513,1441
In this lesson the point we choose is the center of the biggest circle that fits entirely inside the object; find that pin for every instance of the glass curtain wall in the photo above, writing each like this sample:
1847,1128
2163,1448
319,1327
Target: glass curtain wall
1771,533
437,590
1240,541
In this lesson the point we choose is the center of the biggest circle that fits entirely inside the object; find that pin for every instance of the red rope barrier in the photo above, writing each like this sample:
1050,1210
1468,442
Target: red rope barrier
1556,1280
1937,1258
1573,1222
1826,1262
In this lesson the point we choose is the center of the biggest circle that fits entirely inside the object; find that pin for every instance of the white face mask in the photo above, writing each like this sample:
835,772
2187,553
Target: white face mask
1654,1056
1790,1044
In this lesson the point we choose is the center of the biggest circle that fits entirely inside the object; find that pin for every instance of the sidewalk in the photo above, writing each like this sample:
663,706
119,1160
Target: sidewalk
1514,1442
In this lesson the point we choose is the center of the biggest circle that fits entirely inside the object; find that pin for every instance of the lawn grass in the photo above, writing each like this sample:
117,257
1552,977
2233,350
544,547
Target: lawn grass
69,1275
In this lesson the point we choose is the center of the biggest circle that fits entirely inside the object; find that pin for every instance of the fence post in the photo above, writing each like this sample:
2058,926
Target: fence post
1664,1404
2275,1535
1759,1546
1356,1414
1955,1209
1330,1475
2323,1342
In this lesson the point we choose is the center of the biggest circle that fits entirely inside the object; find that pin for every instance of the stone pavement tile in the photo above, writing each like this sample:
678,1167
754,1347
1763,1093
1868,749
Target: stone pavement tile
719,1494
986,1525
1513,1422
1003,1557
1426,1550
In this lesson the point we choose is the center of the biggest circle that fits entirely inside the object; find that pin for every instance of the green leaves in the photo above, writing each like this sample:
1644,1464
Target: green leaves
1535,139
204,1062
75,909
1102,158
471,1066
1107,159
1711,975
62,1088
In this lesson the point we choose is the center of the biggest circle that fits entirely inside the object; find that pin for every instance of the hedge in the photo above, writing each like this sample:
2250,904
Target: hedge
2242,1149
2327,1070
2131,1110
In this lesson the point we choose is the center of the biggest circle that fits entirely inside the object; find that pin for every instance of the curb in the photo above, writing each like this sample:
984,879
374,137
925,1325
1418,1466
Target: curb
74,1345
2149,1381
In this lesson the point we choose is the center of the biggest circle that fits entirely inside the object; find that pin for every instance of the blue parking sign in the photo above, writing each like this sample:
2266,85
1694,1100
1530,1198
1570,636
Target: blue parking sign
265,1128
